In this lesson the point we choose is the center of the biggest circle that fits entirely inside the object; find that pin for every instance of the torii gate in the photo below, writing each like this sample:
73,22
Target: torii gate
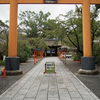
88,62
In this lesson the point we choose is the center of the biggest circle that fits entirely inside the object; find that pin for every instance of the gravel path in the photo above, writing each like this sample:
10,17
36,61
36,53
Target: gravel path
91,81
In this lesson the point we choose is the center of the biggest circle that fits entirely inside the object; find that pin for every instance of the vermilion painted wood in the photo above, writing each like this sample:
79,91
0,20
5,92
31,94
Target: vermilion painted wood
12,49
41,2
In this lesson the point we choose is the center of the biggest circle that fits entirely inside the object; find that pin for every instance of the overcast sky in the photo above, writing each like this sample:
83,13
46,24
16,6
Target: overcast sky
54,9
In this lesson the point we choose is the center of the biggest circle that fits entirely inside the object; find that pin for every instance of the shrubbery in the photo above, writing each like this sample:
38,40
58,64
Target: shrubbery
96,52
23,53
27,49
23,56
2,62
75,56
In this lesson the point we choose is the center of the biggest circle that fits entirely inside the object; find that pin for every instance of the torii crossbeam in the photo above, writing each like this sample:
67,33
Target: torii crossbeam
41,1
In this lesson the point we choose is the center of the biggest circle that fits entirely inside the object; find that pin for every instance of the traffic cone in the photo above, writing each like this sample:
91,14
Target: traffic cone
4,74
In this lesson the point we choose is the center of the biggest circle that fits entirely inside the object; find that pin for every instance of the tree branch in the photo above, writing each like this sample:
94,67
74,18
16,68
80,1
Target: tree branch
76,36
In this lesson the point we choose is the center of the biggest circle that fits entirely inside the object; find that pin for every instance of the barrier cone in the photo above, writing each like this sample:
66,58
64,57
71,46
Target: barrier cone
4,74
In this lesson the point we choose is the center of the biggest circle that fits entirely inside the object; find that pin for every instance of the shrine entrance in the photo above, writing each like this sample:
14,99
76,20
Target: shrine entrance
87,61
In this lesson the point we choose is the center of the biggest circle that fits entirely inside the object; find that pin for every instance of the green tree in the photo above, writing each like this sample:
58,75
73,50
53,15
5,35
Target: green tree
23,50
96,51
38,43
95,25
71,27
49,31
4,34
32,23
3,27
97,6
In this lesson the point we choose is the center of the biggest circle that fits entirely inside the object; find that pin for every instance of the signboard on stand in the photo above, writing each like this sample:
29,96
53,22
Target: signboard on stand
50,67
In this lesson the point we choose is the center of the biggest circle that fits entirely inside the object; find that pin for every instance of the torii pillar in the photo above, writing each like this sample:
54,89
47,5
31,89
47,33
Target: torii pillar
12,61
87,61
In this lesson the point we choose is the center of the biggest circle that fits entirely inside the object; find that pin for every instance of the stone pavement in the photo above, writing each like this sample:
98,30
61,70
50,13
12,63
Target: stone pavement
36,85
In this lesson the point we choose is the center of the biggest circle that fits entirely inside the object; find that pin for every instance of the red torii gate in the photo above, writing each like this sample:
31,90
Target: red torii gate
62,54
38,55
87,61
